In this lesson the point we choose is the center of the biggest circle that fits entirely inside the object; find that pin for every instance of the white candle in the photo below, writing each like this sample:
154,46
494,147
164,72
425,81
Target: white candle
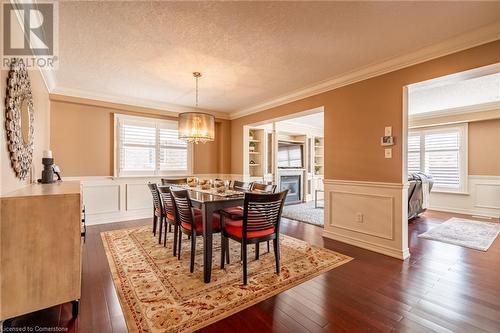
47,154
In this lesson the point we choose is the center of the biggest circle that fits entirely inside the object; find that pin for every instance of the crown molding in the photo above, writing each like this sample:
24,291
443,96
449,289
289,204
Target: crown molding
130,101
459,43
491,106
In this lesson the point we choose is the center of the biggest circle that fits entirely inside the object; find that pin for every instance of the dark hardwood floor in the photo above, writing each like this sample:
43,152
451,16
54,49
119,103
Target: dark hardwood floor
442,288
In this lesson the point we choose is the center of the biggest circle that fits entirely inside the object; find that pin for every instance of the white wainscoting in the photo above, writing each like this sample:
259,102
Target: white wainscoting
114,199
383,208
483,198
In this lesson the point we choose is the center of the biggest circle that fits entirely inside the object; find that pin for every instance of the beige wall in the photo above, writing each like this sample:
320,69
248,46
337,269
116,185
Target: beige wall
82,137
8,180
484,148
355,117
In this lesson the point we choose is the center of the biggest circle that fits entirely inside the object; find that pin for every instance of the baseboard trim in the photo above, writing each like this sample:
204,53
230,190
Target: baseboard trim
395,253
464,211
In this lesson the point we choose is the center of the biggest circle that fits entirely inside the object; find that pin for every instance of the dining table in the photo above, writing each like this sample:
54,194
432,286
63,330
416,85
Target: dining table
209,202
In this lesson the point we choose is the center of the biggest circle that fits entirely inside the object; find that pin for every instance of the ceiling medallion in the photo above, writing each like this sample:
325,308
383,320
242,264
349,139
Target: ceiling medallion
196,127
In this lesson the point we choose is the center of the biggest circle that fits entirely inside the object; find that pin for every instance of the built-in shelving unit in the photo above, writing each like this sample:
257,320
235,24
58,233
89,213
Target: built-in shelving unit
256,151
319,156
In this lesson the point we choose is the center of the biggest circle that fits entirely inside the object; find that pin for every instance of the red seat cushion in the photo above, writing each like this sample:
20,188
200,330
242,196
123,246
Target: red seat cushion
170,217
237,230
198,221
236,212
157,211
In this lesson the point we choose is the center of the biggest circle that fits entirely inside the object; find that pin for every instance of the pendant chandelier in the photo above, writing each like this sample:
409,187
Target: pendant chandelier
195,127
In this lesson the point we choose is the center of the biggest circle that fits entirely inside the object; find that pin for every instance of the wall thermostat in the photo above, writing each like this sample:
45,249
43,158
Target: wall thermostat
387,141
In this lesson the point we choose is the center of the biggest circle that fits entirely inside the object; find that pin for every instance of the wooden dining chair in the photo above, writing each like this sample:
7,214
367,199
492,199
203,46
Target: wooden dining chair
190,222
178,181
157,209
169,215
261,222
240,186
266,188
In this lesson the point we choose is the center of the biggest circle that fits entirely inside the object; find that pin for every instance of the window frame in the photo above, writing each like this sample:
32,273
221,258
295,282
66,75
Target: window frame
463,154
157,123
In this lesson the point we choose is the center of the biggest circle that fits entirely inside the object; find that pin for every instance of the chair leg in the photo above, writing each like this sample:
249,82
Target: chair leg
165,235
154,224
222,250
193,252
179,245
244,257
176,231
161,228
257,249
268,247
169,228
276,246
228,254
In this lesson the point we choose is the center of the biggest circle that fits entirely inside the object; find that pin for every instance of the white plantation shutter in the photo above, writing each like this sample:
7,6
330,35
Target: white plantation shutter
147,146
138,147
414,152
442,158
442,153
173,152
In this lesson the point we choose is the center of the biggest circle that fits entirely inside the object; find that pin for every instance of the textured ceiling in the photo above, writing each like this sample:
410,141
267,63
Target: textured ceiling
248,52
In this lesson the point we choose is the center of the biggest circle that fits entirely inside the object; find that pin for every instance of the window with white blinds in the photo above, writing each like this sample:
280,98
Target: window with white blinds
442,153
147,146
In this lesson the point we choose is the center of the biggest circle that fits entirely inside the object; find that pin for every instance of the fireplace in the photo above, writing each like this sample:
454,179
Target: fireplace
292,183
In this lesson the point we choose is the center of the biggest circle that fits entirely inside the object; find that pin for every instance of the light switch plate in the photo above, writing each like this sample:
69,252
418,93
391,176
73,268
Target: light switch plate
388,152
388,131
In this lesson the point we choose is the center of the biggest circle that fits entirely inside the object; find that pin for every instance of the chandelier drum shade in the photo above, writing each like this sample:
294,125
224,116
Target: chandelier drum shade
196,127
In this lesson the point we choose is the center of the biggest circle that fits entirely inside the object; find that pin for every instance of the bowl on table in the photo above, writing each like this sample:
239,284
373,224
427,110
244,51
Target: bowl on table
220,186
192,181
204,184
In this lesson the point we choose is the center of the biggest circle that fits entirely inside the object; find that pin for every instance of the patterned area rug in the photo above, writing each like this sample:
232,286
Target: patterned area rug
305,212
469,233
158,294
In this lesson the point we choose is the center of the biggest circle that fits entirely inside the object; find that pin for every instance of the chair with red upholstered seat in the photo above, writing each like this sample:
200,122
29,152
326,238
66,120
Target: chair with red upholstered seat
157,209
260,223
169,215
190,221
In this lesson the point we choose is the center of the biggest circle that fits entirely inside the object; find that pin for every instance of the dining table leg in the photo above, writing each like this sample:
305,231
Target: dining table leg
208,211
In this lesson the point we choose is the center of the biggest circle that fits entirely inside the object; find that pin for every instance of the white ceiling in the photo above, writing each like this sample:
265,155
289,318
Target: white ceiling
475,91
315,120
248,53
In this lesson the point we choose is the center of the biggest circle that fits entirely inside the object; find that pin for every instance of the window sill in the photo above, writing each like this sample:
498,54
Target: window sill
449,192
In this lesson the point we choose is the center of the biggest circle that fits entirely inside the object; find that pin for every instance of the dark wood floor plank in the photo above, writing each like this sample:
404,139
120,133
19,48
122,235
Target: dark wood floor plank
441,288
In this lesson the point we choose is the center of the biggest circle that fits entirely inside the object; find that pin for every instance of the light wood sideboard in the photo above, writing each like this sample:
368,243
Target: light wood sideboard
40,248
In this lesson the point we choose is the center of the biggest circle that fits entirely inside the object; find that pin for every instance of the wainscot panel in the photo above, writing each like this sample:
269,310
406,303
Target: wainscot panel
482,198
115,199
369,215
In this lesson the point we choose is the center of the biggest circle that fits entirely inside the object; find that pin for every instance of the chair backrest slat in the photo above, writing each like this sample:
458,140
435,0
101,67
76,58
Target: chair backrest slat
167,201
264,188
182,206
241,186
156,196
179,181
262,211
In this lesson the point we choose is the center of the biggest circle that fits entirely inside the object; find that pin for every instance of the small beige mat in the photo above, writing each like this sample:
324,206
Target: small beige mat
468,233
